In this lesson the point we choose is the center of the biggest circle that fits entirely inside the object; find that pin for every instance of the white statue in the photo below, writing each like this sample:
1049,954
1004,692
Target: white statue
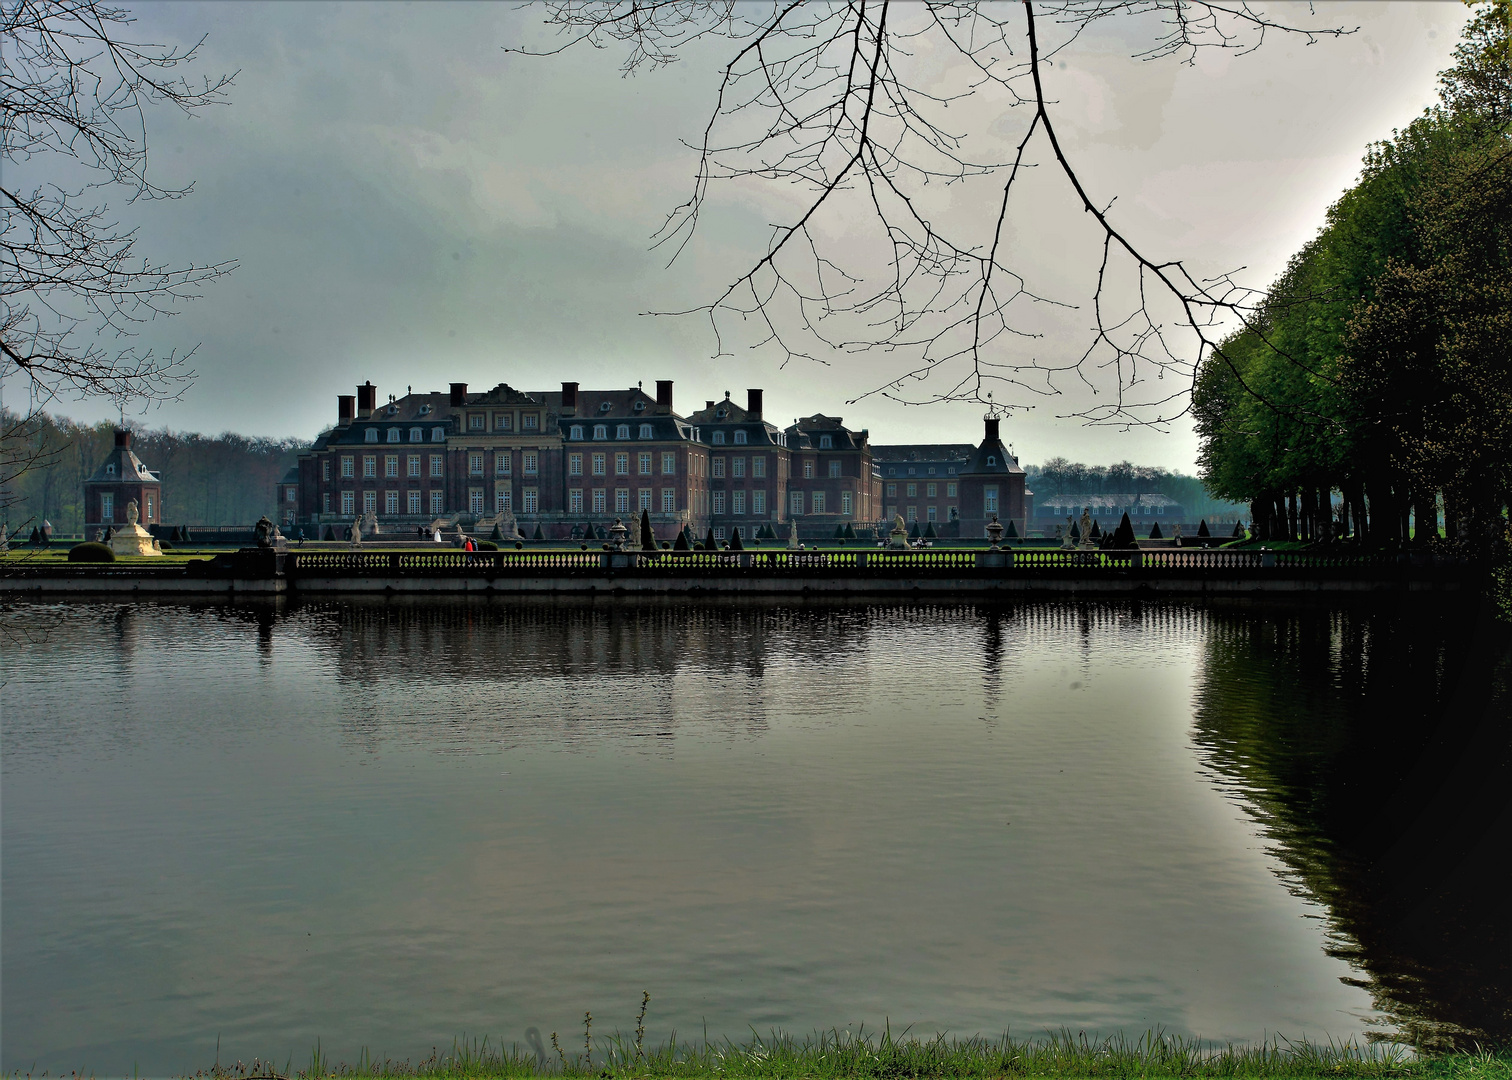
356,541
132,512
792,543
4,539
1086,526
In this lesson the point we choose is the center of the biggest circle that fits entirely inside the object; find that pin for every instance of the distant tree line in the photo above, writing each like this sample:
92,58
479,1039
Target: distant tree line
223,479
1058,476
1379,368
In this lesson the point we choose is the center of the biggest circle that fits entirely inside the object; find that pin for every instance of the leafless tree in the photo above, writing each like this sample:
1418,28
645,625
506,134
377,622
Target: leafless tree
75,93
848,103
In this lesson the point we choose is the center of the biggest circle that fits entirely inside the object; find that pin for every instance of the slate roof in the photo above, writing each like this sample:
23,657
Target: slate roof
729,417
804,434
128,469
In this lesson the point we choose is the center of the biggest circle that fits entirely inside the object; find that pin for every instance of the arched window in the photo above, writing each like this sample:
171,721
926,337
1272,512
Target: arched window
646,432
417,435
991,459
740,438
622,432
826,442
719,438
576,433
600,431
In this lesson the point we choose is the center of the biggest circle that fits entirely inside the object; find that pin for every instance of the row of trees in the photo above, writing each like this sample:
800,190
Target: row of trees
207,479
1057,476
1379,367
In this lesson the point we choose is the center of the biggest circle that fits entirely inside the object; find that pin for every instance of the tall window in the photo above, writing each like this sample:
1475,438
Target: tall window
913,491
598,464
437,469
414,503
913,513
719,502
931,513
990,499
645,431
412,466
817,502
391,465
892,491
438,503
107,506
325,468
391,502
758,467
669,464
740,438
621,500
531,497
530,463
644,499
346,466
846,503
622,431
475,500
930,489
834,469
348,503
669,500
502,460
369,466
795,502
325,502
369,501
758,502
503,498
719,468
574,464
621,464
826,442
475,464
575,501
644,463
950,489
737,502
600,500
808,468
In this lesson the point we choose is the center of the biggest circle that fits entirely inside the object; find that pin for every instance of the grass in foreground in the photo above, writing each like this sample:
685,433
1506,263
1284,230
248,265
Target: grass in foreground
842,1055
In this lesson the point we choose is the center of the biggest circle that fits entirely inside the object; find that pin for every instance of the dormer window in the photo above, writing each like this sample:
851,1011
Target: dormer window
392,410
600,431
394,434
370,435
721,412
991,459
110,469
826,442
605,406
575,433
640,406
417,434
645,430
719,438
951,470
476,421
740,438
622,432
438,434
425,410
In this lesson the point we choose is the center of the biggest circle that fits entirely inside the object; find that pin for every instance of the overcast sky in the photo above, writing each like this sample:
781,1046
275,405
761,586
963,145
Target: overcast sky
412,205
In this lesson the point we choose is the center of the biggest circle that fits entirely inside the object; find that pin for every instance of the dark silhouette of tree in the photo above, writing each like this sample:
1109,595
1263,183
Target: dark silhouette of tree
835,101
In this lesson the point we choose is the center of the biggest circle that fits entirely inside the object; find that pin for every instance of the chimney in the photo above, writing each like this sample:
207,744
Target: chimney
569,399
708,403
753,404
123,438
458,394
367,399
664,394
344,409
992,429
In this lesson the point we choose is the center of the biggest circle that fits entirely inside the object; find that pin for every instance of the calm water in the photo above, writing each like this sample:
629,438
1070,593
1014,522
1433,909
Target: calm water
387,824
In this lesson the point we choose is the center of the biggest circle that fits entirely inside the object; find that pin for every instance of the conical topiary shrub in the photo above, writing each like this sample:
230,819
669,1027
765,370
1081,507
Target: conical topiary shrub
497,534
1155,533
850,531
1096,530
913,530
929,531
647,537
538,534
839,532
1123,536
1011,532
330,533
681,543
1238,531
1202,529
735,544
711,544
1075,533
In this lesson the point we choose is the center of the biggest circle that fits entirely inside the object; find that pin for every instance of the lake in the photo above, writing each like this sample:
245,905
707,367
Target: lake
389,824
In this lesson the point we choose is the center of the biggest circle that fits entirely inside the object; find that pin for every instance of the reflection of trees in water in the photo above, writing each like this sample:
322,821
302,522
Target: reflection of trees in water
1374,748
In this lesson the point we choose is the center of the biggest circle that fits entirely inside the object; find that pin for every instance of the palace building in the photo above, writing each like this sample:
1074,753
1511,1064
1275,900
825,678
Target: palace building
562,460
120,479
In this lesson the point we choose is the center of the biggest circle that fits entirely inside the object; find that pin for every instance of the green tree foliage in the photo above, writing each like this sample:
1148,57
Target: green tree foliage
1378,368
207,480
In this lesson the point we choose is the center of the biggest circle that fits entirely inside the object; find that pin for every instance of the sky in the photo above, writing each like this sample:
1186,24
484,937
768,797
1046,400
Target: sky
409,203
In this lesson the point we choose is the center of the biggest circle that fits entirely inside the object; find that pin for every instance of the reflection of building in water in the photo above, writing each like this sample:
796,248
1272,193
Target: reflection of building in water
1373,748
